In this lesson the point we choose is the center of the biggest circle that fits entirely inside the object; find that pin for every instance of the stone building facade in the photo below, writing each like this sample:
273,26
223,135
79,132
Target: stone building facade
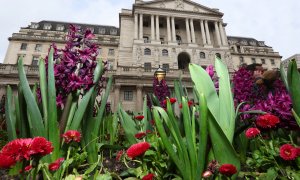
297,59
166,33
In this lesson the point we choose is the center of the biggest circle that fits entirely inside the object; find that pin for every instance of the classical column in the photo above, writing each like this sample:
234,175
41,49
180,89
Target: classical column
116,96
152,28
217,33
141,27
207,33
157,28
136,29
168,29
202,32
222,34
192,30
173,29
188,33
139,97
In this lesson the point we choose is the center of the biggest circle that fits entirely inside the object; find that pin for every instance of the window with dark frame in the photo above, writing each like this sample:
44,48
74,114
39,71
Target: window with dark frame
20,55
166,67
242,60
147,67
23,46
218,55
147,52
165,52
272,61
128,95
253,60
176,26
202,55
263,61
38,47
35,61
111,52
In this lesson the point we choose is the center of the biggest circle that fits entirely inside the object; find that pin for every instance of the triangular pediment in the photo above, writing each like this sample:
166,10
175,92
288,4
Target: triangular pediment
181,5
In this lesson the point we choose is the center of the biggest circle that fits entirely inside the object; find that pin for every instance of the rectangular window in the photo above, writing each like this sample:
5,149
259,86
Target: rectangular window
110,65
272,61
146,24
23,46
253,60
100,51
47,26
162,40
60,27
38,47
166,67
111,52
263,61
128,95
241,60
35,61
176,26
147,67
20,55
146,39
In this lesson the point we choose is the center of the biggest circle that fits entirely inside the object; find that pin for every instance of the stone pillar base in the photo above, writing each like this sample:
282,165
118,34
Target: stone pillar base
172,43
138,41
208,46
193,45
155,42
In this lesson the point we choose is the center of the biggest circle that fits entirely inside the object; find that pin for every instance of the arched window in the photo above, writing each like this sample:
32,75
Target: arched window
165,52
202,55
147,51
218,55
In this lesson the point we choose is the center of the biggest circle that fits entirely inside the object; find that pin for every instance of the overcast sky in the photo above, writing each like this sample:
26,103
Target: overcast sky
276,22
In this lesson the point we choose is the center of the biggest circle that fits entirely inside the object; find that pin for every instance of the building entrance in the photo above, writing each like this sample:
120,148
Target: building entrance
183,61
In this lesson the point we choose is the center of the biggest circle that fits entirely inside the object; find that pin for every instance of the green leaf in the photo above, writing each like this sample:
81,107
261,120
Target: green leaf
222,148
24,126
128,125
33,110
206,86
53,130
10,115
284,76
203,134
293,78
78,116
43,87
297,118
227,111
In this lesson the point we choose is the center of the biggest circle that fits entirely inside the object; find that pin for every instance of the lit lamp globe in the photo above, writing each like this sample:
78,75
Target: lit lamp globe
160,74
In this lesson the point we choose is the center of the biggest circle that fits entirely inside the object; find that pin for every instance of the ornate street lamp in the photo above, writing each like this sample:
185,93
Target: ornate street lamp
160,74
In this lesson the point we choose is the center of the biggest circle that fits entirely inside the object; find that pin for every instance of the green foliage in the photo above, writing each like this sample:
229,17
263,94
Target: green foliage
293,81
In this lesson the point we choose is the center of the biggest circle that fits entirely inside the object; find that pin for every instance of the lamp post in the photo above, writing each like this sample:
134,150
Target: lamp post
160,74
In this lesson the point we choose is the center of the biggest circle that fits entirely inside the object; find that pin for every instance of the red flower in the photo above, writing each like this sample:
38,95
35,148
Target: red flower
148,131
252,132
267,121
18,149
288,152
152,122
6,161
137,149
140,135
149,176
119,155
172,101
139,117
56,164
227,169
28,168
40,146
71,135
190,103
